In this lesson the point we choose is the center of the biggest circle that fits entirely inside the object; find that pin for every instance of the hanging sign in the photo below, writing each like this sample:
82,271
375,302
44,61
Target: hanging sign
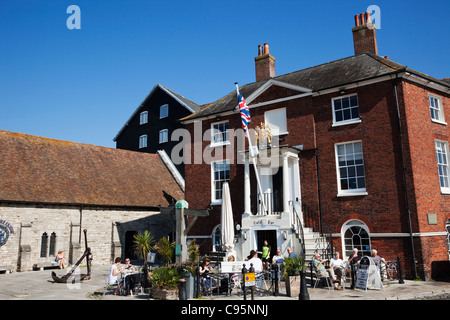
250,279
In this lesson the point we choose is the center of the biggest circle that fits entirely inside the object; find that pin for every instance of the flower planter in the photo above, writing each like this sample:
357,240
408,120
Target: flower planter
165,293
292,286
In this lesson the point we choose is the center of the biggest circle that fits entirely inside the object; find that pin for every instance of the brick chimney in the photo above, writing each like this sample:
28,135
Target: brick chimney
264,63
364,36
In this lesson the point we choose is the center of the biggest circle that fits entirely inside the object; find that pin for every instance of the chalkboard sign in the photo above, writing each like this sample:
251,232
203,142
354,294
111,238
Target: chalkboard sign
368,276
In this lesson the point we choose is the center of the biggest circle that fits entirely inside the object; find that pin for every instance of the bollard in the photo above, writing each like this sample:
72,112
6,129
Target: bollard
252,270
353,275
303,294
276,269
182,289
244,289
400,275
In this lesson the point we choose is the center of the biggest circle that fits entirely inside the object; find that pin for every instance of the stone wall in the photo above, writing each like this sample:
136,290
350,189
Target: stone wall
106,230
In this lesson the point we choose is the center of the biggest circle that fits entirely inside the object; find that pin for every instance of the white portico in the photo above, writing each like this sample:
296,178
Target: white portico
273,212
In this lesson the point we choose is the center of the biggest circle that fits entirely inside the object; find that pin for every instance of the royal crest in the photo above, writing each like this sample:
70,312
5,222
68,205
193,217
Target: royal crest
5,230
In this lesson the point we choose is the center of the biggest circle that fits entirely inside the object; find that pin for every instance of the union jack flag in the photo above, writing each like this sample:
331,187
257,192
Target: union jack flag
245,112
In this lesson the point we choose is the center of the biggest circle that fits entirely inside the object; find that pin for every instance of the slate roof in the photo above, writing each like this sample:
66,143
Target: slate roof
333,74
41,170
188,104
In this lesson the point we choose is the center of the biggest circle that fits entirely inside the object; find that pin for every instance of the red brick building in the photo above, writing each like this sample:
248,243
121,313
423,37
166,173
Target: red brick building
360,145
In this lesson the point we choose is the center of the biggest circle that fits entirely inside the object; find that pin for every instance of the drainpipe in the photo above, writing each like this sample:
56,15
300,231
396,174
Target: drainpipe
404,176
319,190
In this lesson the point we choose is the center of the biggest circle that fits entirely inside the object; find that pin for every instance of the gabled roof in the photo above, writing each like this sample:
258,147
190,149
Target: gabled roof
188,104
41,170
329,75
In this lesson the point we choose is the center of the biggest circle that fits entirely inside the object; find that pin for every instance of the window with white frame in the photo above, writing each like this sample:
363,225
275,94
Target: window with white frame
164,111
350,168
276,121
437,113
345,109
220,172
356,235
219,133
163,136
143,141
144,117
443,165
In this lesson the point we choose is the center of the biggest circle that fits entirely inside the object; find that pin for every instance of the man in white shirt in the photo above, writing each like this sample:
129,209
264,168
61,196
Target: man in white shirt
278,258
257,263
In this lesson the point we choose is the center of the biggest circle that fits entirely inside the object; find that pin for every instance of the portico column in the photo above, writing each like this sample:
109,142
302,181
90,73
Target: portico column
286,184
297,194
247,208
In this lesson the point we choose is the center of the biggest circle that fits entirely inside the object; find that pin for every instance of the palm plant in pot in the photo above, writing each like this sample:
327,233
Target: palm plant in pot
292,267
143,245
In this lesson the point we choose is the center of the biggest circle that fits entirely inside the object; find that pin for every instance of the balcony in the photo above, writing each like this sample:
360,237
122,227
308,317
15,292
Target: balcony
273,202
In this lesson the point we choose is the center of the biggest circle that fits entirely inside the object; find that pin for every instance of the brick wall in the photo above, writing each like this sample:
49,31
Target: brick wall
384,208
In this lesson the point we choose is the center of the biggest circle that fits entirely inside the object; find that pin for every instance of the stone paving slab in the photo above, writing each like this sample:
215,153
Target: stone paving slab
39,285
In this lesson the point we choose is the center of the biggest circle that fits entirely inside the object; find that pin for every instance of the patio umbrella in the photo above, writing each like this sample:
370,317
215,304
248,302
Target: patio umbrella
227,220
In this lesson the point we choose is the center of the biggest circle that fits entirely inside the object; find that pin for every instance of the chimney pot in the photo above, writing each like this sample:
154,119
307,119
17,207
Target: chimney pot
260,50
363,19
368,20
357,20
266,48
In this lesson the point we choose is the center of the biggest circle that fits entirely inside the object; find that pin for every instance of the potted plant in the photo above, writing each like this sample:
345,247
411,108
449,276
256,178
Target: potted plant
292,267
166,249
165,283
143,245
190,268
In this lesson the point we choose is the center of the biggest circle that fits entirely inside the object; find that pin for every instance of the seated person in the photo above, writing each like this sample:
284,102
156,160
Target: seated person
336,263
61,259
128,266
278,258
319,265
113,274
204,270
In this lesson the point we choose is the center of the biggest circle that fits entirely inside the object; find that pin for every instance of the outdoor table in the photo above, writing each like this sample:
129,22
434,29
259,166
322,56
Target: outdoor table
130,280
218,277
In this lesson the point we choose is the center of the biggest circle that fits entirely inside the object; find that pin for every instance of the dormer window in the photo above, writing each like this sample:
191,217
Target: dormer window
164,111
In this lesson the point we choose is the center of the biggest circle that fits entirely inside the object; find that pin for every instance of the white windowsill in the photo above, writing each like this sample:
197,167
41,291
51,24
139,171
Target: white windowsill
439,122
343,123
352,194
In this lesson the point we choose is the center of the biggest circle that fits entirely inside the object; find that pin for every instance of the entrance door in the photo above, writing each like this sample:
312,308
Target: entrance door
270,236
129,245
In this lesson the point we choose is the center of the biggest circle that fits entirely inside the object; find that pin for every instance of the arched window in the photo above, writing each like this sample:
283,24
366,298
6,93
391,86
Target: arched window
44,245
51,251
356,235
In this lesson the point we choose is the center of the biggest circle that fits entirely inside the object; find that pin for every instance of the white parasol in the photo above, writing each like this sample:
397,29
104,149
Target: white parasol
227,220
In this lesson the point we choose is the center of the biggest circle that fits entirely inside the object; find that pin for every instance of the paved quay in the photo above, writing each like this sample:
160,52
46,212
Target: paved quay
39,285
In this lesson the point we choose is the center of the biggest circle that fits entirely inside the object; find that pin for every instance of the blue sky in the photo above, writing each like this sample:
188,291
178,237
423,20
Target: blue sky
83,85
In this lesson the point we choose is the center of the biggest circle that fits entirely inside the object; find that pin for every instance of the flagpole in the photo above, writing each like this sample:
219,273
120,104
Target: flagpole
252,156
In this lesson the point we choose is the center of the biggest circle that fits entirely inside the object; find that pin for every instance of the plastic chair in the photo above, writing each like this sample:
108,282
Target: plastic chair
109,286
327,280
